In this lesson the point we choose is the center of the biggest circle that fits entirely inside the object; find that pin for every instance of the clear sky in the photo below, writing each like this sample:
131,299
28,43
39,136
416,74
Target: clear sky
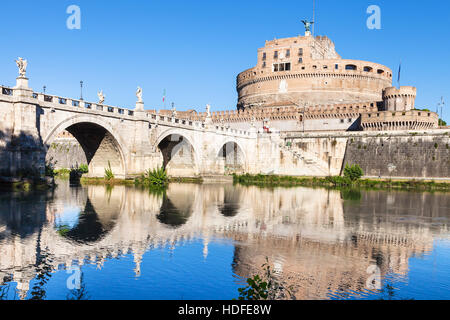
194,48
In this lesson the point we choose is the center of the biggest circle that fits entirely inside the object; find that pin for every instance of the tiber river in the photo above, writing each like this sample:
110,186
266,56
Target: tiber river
204,241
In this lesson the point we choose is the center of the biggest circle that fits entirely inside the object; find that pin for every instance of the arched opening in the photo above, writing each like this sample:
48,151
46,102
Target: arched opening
351,67
90,143
231,202
178,154
231,159
368,69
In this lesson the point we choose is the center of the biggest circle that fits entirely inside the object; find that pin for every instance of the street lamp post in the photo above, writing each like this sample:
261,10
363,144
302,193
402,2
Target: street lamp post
81,90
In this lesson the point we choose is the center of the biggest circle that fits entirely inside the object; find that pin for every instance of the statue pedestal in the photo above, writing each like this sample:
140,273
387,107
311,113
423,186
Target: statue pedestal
307,33
21,89
139,106
208,122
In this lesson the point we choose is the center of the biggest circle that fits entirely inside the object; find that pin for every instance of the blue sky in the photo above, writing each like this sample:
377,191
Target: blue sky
194,49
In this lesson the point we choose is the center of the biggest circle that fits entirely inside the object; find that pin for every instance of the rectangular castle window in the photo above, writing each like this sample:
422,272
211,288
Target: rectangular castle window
281,67
264,56
300,52
275,55
288,53
300,60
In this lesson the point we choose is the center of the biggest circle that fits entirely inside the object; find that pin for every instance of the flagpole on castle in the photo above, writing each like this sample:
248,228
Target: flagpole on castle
314,17
164,98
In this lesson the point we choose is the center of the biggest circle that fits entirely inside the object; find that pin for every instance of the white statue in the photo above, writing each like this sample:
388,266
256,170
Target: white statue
101,97
208,111
139,94
174,111
22,64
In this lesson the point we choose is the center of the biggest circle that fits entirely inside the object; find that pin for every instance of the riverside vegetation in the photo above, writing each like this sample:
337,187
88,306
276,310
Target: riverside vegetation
352,178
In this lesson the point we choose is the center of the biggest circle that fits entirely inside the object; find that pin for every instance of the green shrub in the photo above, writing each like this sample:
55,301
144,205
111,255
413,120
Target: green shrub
156,177
109,175
83,168
353,172
265,287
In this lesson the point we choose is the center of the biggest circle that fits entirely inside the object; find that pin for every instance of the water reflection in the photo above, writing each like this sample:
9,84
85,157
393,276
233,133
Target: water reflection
321,242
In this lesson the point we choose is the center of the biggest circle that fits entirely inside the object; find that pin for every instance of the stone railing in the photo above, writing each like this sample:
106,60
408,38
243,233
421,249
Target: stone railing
195,124
52,101
45,100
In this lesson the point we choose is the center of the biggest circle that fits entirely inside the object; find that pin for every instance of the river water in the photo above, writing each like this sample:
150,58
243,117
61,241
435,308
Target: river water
203,241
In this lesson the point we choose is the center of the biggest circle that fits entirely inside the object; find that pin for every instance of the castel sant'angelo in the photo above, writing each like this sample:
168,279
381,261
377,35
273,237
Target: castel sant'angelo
303,84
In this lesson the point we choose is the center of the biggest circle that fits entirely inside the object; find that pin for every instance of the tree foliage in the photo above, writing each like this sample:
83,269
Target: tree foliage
353,172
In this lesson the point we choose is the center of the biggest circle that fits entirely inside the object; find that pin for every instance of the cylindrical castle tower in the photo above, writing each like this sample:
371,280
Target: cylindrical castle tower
307,69
399,99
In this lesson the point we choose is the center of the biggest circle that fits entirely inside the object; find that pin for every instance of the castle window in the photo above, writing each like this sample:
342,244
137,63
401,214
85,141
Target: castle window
342,120
275,55
300,51
368,69
351,67
281,67
336,66
264,56
300,60
350,120
264,64
380,71
288,53
325,67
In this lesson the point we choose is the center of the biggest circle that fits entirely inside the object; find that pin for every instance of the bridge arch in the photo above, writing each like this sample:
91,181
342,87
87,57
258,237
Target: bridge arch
231,157
98,139
180,157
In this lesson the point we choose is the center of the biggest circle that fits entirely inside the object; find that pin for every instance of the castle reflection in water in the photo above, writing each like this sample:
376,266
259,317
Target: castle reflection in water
320,241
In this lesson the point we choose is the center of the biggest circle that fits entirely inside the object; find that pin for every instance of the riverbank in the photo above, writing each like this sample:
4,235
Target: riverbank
25,184
341,182
135,182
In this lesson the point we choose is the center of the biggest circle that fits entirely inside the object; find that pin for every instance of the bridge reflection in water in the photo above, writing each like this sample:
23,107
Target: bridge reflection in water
321,242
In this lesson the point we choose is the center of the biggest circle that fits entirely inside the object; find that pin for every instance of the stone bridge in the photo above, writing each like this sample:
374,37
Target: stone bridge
130,141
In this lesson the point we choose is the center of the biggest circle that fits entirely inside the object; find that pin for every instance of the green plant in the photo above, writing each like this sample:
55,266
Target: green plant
109,175
156,177
266,287
353,172
83,168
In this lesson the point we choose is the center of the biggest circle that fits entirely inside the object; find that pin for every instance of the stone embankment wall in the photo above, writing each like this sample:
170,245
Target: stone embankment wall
411,155
402,154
